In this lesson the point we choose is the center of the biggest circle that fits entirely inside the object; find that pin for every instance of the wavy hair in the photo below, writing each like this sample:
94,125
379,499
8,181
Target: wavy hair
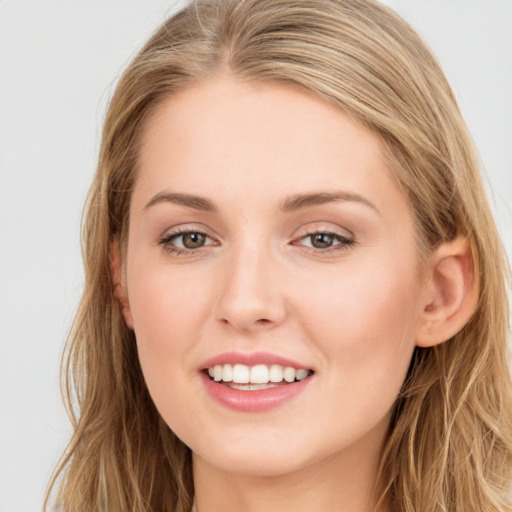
449,445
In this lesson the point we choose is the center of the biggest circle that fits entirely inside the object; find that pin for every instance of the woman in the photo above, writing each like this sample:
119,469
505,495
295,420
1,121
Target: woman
295,293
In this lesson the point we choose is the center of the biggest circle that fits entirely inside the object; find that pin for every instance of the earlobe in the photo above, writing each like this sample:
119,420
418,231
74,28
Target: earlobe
119,282
453,290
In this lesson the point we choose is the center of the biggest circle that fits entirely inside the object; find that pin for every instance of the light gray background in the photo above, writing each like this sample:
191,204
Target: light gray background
59,61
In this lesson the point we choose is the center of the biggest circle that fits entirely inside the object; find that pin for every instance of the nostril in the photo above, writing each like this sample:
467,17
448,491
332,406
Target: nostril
260,321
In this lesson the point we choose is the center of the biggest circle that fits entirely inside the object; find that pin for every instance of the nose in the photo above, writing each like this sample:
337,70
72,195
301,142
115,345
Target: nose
251,297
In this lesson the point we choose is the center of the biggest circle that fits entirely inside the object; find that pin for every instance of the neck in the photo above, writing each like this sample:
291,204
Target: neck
343,482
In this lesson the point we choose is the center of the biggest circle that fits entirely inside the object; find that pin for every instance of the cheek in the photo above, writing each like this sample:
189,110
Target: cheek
168,313
164,302
365,323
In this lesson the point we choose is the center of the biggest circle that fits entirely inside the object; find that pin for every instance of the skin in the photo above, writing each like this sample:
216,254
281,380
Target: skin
352,312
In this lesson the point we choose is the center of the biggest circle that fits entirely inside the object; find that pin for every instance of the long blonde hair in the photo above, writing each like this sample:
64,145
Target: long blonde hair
449,446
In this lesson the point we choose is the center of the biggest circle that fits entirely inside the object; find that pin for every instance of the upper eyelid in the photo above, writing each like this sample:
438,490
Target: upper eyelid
180,229
320,227
326,232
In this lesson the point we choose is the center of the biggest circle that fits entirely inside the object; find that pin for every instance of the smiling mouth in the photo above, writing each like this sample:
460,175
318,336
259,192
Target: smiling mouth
252,378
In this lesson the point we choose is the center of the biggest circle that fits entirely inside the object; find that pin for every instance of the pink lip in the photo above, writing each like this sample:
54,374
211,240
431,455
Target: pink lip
250,359
253,401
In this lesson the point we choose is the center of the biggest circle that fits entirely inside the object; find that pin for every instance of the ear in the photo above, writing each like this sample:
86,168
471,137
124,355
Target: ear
119,281
451,292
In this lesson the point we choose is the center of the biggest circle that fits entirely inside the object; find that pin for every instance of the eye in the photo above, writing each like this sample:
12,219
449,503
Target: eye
325,241
185,241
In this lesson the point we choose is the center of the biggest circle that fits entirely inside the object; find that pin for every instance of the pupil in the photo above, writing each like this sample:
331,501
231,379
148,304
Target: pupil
322,240
193,240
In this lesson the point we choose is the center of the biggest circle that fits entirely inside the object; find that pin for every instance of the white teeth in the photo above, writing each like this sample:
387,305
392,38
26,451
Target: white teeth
227,373
259,374
241,374
301,374
289,374
217,372
276,373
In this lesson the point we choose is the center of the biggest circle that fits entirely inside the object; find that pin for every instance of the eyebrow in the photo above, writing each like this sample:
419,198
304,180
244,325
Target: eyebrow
301,201
188,200
290,204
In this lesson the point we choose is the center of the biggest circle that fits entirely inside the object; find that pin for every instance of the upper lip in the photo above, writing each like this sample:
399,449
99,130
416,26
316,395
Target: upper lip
251,359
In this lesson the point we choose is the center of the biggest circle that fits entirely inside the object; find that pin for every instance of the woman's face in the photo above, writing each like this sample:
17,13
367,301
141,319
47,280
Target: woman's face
267,233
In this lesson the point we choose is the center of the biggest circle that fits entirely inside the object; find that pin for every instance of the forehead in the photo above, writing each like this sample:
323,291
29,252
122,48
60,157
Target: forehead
228,139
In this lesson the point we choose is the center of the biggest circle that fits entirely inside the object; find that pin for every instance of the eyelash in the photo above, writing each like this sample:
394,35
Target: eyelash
343,244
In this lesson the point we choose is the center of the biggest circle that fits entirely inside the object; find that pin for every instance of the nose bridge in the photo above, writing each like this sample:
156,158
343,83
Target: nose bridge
250,295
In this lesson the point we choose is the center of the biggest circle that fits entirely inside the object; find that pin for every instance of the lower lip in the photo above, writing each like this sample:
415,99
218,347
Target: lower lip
253,401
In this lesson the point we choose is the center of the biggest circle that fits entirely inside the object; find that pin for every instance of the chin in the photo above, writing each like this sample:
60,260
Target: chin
264,455
247,450
263,464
